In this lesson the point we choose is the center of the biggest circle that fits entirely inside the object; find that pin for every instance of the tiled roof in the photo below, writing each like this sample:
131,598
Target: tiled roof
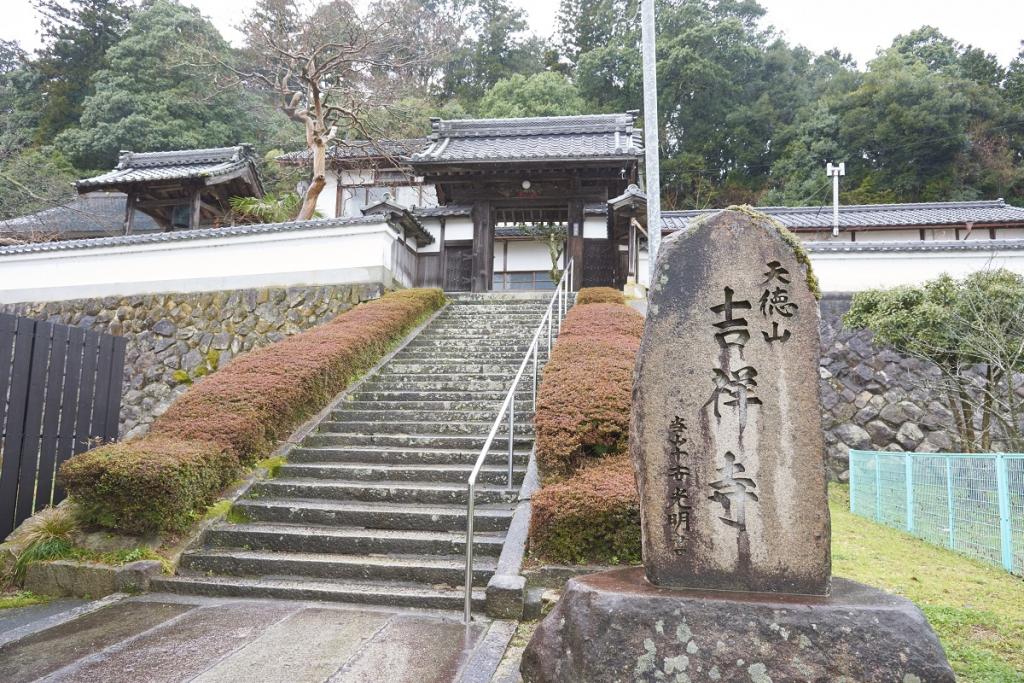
874,215
96,214
138,167
185,235
915,246
360,149
442,211
546,138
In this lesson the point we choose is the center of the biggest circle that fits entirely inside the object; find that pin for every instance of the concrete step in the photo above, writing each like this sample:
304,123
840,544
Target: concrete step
426,386
447,570
403,367
401,517
462,395
492,475
408,441
430,493
335,527
429,406
394,457
523,427
400,414
390,593
403,378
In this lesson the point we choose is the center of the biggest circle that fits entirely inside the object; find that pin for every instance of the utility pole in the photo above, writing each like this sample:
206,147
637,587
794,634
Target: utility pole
652,173
834,172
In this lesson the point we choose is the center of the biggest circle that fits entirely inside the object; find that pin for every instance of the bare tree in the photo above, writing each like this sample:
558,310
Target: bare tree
553,235
331,70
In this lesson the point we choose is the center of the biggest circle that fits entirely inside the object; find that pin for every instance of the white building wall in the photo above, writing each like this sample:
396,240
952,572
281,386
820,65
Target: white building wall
327,202
338,255
522,255
595,227
861,270
458,229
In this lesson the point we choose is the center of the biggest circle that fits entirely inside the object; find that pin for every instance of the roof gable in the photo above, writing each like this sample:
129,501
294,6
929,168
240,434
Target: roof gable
544,138
186,164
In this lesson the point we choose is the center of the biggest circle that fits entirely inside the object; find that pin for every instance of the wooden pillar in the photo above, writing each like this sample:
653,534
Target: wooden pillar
194,208
129,213
483,246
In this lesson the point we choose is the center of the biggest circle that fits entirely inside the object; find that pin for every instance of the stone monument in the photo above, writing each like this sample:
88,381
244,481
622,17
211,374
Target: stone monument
727,445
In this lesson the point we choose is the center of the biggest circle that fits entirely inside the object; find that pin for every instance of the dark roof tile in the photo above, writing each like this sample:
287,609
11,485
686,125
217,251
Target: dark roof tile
598,136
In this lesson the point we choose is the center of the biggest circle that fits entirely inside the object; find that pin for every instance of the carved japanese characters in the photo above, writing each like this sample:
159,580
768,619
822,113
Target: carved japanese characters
726,434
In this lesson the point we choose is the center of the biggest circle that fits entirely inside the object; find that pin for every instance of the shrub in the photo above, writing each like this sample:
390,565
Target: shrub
591,517
235,417
600,295
155,483
583,402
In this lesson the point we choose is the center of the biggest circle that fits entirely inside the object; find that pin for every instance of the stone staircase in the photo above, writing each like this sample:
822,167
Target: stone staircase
371,507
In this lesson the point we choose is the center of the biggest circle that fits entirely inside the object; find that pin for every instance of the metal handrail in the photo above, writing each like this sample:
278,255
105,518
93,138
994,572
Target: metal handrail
558,305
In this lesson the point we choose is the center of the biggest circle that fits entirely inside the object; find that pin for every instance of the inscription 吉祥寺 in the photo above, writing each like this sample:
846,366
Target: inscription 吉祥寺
728,336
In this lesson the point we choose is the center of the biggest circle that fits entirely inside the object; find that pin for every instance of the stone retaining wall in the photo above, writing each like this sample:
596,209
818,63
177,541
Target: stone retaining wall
872,397
176,339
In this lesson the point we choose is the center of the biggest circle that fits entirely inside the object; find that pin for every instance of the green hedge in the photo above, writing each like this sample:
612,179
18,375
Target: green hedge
234,417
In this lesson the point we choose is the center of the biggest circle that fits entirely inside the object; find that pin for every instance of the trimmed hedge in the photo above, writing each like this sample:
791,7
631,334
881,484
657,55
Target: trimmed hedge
148,485
591,517
600,295
235,417
584,399
588,510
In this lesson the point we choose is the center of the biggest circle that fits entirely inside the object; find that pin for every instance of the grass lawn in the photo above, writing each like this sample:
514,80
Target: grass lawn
976,609
21,599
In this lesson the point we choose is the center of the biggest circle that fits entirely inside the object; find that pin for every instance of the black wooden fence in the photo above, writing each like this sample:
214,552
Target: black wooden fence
60,392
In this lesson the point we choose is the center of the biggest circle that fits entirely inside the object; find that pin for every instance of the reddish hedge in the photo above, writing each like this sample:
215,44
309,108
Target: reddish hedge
583,403
591,517
600,295
234,417
150,484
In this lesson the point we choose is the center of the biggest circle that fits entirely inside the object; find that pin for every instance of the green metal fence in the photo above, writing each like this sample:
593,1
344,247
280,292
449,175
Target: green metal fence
971,503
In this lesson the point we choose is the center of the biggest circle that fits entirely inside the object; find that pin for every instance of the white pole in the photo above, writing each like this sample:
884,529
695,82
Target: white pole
835,172
653,173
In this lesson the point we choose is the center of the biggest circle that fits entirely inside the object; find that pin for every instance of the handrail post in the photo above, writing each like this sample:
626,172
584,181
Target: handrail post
535,376
511,431
469,554
550,314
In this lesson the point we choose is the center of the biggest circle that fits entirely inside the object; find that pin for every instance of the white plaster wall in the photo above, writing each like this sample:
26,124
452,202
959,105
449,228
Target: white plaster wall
327,202
523,255
361,253
858,271
595,227
913,235
458,229
433,226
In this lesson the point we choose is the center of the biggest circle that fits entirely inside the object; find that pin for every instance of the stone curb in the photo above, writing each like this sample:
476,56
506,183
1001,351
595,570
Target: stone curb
506,590
483,662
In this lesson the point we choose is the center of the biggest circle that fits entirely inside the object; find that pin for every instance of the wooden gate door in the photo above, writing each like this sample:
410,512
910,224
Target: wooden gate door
598,263
458,269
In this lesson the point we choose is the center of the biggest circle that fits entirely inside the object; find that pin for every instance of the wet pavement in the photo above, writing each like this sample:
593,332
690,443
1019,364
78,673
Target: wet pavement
208,640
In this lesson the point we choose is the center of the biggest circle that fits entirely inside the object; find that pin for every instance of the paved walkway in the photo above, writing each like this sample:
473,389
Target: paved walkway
162,637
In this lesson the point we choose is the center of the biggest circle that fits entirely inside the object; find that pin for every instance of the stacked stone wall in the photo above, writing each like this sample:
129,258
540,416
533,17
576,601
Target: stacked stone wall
874,398
175,339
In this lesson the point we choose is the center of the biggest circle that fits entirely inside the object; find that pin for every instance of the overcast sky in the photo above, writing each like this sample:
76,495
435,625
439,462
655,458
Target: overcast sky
859,28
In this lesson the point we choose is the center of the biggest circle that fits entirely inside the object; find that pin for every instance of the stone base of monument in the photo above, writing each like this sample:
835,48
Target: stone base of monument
616,626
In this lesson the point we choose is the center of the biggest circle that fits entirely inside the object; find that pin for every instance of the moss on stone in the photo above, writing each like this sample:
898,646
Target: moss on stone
791,240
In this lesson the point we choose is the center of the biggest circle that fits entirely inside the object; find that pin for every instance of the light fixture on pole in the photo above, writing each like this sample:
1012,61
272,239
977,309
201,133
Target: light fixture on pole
834,172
